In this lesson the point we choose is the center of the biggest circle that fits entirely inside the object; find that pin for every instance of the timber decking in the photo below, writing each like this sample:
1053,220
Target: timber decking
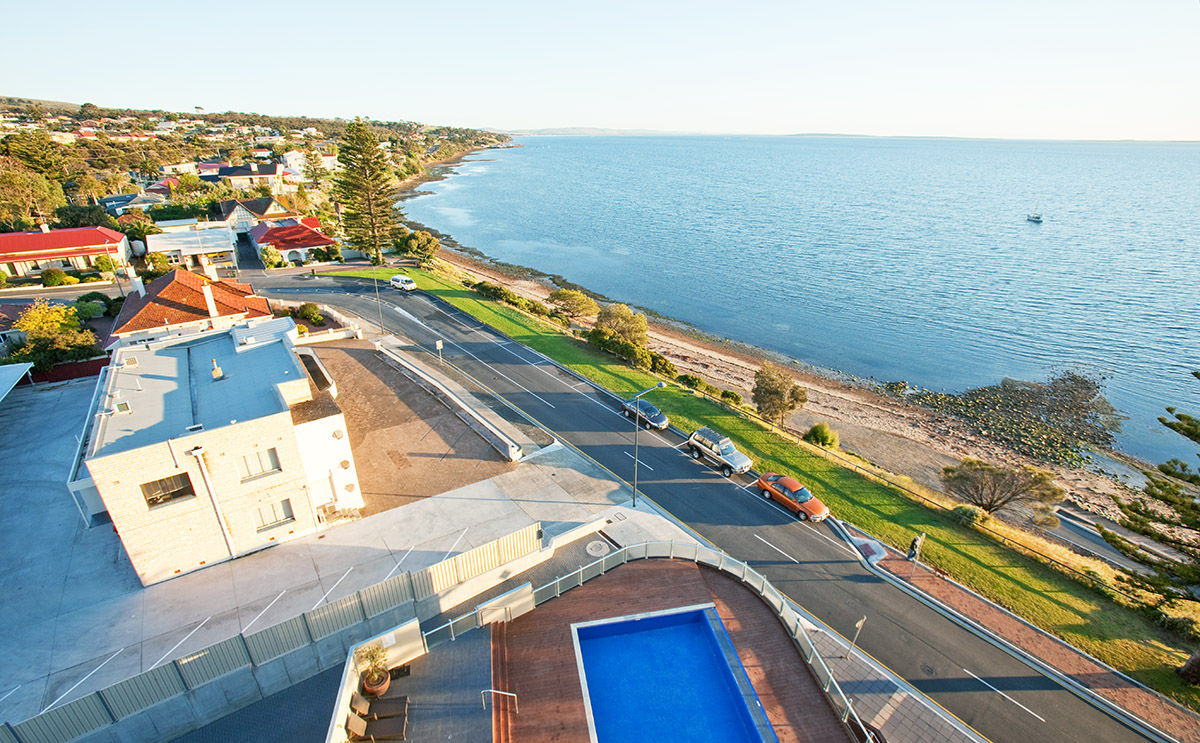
538,656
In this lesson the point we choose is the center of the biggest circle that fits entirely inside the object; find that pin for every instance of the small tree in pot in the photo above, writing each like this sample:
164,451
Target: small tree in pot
372,664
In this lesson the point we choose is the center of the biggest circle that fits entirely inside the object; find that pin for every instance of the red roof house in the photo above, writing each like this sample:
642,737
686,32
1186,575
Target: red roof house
293,241
30,253
183,302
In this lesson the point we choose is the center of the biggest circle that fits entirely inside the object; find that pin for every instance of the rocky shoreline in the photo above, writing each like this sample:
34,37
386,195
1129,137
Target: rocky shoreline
904,439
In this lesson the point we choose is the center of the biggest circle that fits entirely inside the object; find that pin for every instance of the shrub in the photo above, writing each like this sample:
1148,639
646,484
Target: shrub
690,381
271,257
105,264
95,297
89,279
3,279
710,389
87,310
662,366
70,280
310,313
574,303
54,277
968,515
114,306
731,397
822,435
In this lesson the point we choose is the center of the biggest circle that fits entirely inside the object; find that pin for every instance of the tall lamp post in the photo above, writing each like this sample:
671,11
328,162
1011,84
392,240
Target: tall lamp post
637,424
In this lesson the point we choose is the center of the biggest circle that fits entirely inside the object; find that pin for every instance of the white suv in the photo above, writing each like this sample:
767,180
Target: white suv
404,283
705,442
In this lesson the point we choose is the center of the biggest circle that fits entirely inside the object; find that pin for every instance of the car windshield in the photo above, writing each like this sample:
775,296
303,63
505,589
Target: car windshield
802,495
727,448
648,410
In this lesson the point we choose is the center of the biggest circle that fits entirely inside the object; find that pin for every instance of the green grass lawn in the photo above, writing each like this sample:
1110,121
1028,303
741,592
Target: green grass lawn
1079,614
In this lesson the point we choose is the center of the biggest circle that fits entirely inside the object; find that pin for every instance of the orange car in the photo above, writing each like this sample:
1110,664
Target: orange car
792,496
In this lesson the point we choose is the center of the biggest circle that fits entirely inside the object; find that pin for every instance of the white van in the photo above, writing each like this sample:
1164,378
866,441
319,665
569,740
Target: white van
403,283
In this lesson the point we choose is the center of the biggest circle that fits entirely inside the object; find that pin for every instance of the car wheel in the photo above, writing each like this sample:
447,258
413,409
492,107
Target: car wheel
727,471
802,515
627,413
695,453
765,493
647,425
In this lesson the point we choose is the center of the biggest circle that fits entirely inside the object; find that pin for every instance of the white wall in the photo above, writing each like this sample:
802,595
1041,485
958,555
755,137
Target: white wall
324,446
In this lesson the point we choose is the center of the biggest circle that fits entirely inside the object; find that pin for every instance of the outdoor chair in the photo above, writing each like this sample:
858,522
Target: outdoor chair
380,708
389,728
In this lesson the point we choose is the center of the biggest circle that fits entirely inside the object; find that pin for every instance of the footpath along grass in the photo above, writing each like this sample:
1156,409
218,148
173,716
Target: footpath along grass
1077,613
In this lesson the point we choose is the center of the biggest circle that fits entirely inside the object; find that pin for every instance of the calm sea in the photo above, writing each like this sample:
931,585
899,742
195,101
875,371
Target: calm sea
898,259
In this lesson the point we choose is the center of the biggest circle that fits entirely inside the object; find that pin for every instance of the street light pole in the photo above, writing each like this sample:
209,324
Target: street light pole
636,425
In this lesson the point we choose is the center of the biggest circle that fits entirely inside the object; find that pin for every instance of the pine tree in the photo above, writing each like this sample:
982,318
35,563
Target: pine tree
365,187
314,168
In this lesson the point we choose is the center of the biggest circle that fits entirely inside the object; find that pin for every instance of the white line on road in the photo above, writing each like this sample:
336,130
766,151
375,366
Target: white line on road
456,541
1004,695
836,542
335,585
777,549
498,372
581,384
264,611
176,646
640,461
397,566
80,681
6,696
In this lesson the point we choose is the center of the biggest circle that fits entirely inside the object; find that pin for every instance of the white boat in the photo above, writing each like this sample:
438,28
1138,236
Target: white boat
1036,217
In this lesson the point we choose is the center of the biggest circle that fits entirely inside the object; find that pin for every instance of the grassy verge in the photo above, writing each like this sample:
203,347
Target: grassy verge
1079,614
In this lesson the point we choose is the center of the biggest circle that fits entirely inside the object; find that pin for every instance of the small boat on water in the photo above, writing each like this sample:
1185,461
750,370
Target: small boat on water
1036,217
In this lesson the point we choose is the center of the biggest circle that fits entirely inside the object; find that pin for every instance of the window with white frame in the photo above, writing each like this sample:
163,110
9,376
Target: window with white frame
273,514
259,463
168,489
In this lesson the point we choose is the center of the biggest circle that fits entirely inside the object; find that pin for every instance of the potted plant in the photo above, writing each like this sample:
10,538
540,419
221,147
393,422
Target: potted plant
372,664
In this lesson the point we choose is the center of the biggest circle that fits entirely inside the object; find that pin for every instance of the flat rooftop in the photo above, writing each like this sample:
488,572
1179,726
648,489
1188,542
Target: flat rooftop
157,392
191,242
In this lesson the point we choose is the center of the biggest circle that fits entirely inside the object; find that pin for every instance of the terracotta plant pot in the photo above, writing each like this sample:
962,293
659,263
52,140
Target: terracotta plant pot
374,690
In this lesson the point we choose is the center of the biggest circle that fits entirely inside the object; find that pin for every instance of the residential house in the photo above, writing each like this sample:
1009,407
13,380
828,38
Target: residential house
121,203
294,241
210,168
243,215
76,249
294,160
184,303
206,246
251,175
180,169
209,447
164,188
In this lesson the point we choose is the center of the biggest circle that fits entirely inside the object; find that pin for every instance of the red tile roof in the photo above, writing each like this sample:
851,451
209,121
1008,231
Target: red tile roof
27,246
294,237
178,298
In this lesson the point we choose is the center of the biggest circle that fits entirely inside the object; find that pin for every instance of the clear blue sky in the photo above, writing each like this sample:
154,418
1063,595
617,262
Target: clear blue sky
1072,69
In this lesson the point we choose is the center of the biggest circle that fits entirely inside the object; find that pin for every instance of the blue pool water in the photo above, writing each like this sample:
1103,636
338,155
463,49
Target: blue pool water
665,678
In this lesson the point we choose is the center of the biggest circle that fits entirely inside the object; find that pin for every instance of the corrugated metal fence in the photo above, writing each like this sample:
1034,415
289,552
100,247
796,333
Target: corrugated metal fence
131,696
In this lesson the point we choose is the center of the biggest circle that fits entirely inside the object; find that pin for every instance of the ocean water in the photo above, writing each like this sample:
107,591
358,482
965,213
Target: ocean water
897,259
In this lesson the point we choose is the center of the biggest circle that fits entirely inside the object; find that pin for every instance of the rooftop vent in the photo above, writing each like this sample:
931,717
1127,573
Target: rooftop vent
195,428
131,361
122,407
218,375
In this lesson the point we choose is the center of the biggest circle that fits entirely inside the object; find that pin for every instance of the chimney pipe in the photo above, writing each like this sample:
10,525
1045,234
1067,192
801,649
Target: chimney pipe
208,300
217,373
44,227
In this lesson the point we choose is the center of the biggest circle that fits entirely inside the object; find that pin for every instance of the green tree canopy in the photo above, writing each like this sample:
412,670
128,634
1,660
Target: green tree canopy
69,216
314,168
36,151
775,393
25,196
53,334
574,303
422,246
618,320
365,187
993,488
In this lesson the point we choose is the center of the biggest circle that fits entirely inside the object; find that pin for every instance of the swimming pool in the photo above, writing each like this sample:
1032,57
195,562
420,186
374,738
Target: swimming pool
666,676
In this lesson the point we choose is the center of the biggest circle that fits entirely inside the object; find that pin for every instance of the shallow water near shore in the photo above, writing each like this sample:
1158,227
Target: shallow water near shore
888,258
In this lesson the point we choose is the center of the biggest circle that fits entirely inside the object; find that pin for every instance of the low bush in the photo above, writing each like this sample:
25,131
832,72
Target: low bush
54,277
114,306
731,397
70,280
310,313
822,435
90,279
87,310
96,297
968,515
691,381
662,366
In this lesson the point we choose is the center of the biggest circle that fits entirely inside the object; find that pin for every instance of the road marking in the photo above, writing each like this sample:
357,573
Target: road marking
534,364
640,461
777,549
80,681
335,585
397,566
6,696
456,541
499,372
176,646
1004,695
581,384
264,611
836,542
410,317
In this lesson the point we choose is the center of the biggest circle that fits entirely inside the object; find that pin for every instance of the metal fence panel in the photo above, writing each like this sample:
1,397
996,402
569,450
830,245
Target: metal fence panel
686,551
708,557
465,623
477,561
389,594
7,735
278,640
213,661
60,724
335,616
592,570
442,575
755,580
144,690
543,594
635,551
659,549
422,585
613,560
437,636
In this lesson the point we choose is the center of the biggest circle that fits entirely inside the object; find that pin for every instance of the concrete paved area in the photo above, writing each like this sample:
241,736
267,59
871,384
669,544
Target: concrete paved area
76,619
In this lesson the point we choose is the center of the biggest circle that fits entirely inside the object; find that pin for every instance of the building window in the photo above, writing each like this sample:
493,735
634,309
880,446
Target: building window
273,514
258,463
168,489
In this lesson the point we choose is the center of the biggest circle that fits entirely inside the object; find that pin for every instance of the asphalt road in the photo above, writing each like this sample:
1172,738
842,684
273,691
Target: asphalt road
997,694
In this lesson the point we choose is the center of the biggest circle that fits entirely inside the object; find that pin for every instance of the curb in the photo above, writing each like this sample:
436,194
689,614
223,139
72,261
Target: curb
1088,695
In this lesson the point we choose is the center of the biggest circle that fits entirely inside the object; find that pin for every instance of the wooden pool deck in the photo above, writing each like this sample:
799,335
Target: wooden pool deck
534,656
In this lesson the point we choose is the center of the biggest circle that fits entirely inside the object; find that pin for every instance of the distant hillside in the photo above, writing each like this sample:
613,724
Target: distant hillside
52,106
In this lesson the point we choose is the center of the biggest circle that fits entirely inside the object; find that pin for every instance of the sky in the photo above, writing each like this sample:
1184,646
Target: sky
1051,69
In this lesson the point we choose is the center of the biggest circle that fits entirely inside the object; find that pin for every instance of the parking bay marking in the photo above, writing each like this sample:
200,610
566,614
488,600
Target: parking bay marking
1004,695
777,549
639,461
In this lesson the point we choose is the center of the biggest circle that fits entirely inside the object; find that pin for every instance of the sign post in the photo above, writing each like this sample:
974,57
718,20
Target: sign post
438,345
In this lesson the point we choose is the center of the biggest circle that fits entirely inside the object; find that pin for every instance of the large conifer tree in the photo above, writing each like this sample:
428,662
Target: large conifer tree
366,189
